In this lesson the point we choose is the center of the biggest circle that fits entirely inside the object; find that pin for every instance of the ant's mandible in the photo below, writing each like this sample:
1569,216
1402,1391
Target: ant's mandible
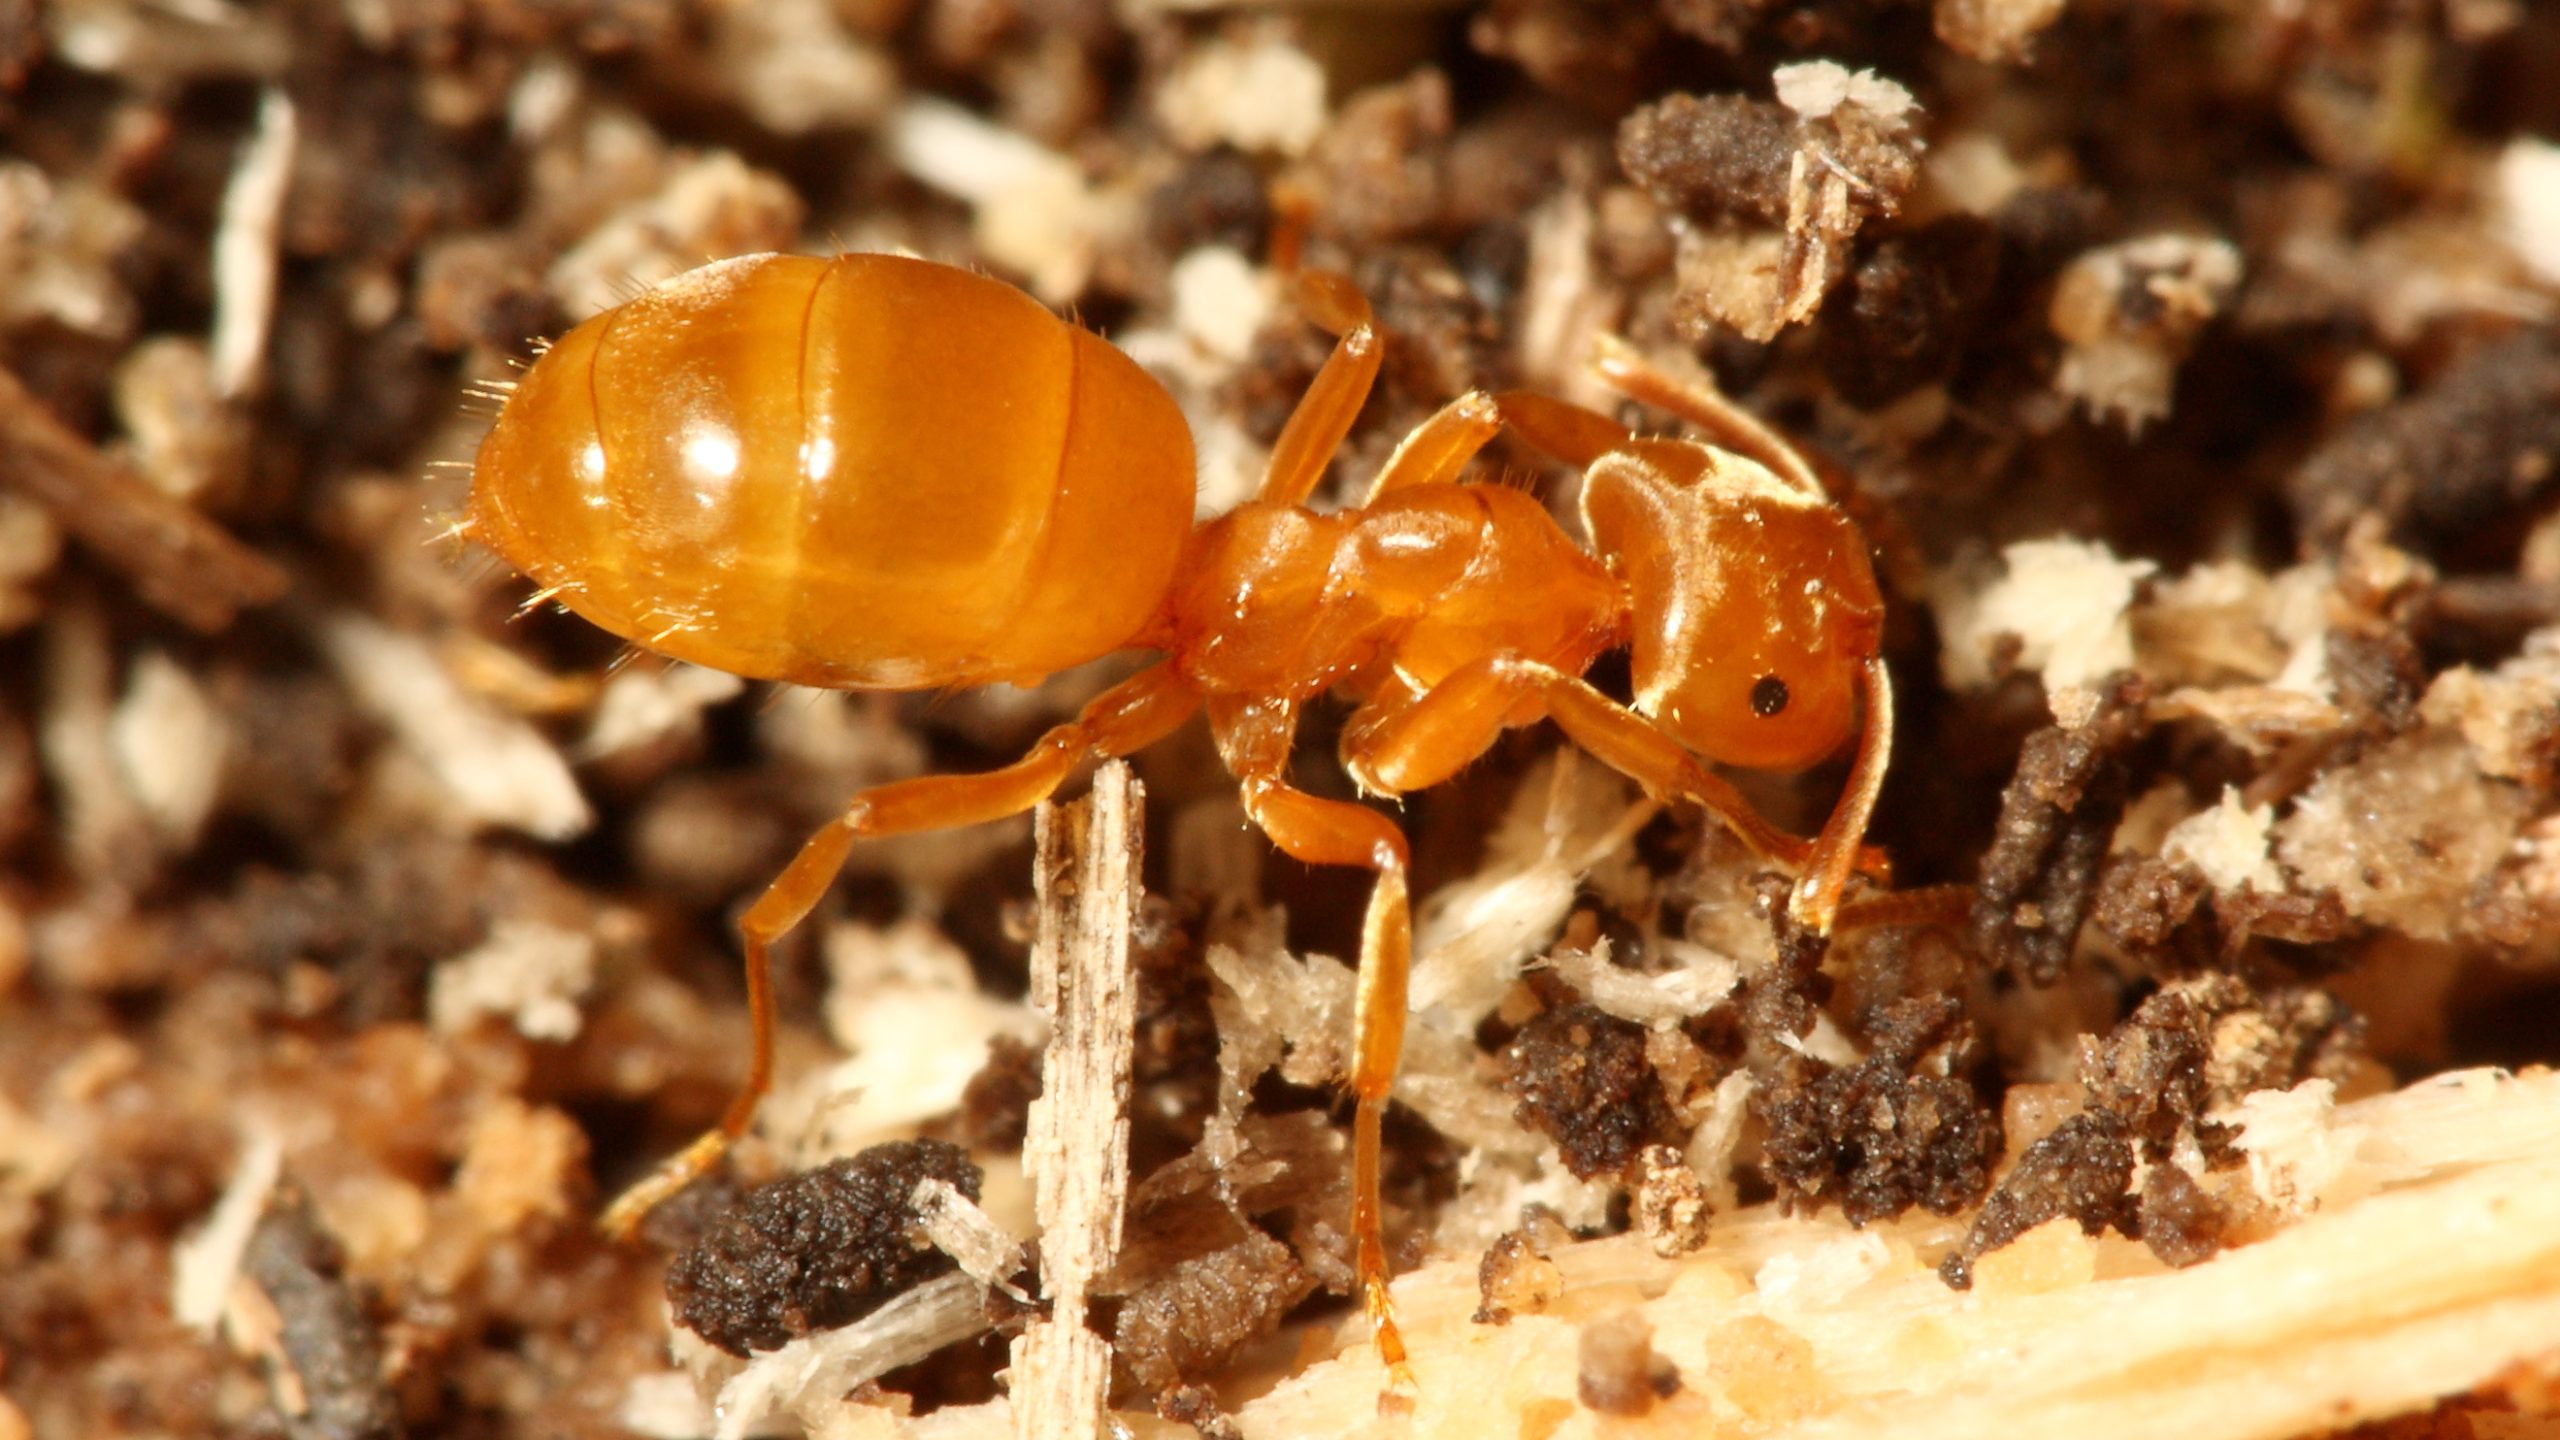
874,472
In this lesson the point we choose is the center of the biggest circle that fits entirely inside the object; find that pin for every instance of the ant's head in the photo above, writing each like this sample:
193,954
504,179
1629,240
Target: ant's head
1753,604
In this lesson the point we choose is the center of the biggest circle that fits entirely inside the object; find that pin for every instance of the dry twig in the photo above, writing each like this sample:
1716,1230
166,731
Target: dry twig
1077,1148
179,561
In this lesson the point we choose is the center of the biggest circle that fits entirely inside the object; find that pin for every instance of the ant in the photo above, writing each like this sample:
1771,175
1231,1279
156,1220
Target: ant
875,472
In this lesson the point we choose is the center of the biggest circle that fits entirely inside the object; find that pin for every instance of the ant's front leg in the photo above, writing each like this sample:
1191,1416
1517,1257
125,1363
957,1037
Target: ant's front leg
1404,742
1129,716
1625,369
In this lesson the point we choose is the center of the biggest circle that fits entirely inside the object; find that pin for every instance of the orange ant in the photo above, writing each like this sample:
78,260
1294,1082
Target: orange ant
874,472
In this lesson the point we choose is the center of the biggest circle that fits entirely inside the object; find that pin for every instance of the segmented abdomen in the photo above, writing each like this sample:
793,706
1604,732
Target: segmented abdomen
862,472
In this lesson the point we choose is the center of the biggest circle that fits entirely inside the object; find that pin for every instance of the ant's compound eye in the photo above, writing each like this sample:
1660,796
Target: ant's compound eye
1768,696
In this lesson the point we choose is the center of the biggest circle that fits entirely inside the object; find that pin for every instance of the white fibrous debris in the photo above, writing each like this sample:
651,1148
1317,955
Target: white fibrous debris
2226,620
1219,301
1262,96
244,248
542,100
2228,844
1735,274
33,1157
2299,614
663,1406
1035,213
1563,310
1993,29
1301,1004
1815,89
1974,173
101,825
169,741
179,432
30,543
496,769
1495,1192
1825,1042
2510,717
2243,649
715,204
853,739
1471,938
2129,312
1716,1142
2529,191
529,973
1692,984
794,67
1822,1274
2405,835
2298,1148
984,1250
640,705
2064,600
206,1264
2413,273
905,1005
1856,157
808,1378
61,242
1075,1144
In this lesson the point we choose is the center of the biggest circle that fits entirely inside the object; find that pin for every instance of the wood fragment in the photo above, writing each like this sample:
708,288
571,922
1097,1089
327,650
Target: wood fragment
179,562
1077,1148
2430,1268
809,1378
959,1229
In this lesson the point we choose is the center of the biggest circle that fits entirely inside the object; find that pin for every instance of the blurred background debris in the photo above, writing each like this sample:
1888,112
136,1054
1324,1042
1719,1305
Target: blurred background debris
2192,368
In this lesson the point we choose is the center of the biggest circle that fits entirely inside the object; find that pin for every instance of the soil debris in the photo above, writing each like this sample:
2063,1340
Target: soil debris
1583,1079
816,1250
330,1383
2058,816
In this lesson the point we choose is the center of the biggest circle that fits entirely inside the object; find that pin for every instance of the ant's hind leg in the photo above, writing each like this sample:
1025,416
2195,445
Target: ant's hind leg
1129,716
1334,397
1254,738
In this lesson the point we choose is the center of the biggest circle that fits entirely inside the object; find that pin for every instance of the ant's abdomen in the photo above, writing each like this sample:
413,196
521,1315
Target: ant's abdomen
869,472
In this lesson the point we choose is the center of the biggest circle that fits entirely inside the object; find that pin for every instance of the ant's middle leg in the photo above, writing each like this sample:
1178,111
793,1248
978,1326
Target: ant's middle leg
1254,737
1334,397
1129,716
1437,451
